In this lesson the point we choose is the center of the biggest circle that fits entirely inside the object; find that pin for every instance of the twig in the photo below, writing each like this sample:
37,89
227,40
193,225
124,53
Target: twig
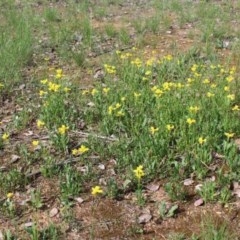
84,134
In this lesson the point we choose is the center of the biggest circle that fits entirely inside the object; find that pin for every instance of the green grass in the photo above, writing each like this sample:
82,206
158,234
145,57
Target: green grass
151,117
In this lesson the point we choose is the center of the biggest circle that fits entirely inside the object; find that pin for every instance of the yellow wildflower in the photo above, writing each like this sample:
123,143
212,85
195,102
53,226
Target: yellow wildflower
229,78
110,109
96,190
136,95
169,127
206,81
44,81
194,109
231,97
94,91
41,93
229,135
62,130
120,113
202,140
235,108
75,152
53,87
191,121
139,173
35,143
10,195
85,92
106,90
66,89
213,85
226,88
209,94
147,73
59,73
40,123
5,136
83,149
153,130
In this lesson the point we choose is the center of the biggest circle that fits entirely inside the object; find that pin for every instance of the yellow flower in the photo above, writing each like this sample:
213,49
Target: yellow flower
41,93
120,113
139,173
236,108
110,109
123,99
153,130
213,85
44,81
168,57
229,78
110,69
226,88
1,85
85,92
94,91
190,80
96,190
209,94
191,121
169,127
147,73
136,95
194,67
10,195
5,136
83,149
75,152
231,97
202,140
35,143
59,73
40,123
194,109
53,87
106,90
118,105
66,89
229,135
206,81
62,130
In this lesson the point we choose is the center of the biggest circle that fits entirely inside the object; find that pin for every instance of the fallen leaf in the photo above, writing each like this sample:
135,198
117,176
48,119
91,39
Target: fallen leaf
198,202
153,187
53,212
188,182
101,166
14,158
198,187
144,218
79,200
28,224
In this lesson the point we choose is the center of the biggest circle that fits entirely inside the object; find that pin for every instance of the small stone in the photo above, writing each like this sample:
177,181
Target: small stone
53,212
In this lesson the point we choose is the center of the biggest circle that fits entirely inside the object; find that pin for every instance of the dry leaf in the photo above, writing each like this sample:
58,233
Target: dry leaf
198,202
28,224
188,182
144,218
79,200
53,212
153,187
